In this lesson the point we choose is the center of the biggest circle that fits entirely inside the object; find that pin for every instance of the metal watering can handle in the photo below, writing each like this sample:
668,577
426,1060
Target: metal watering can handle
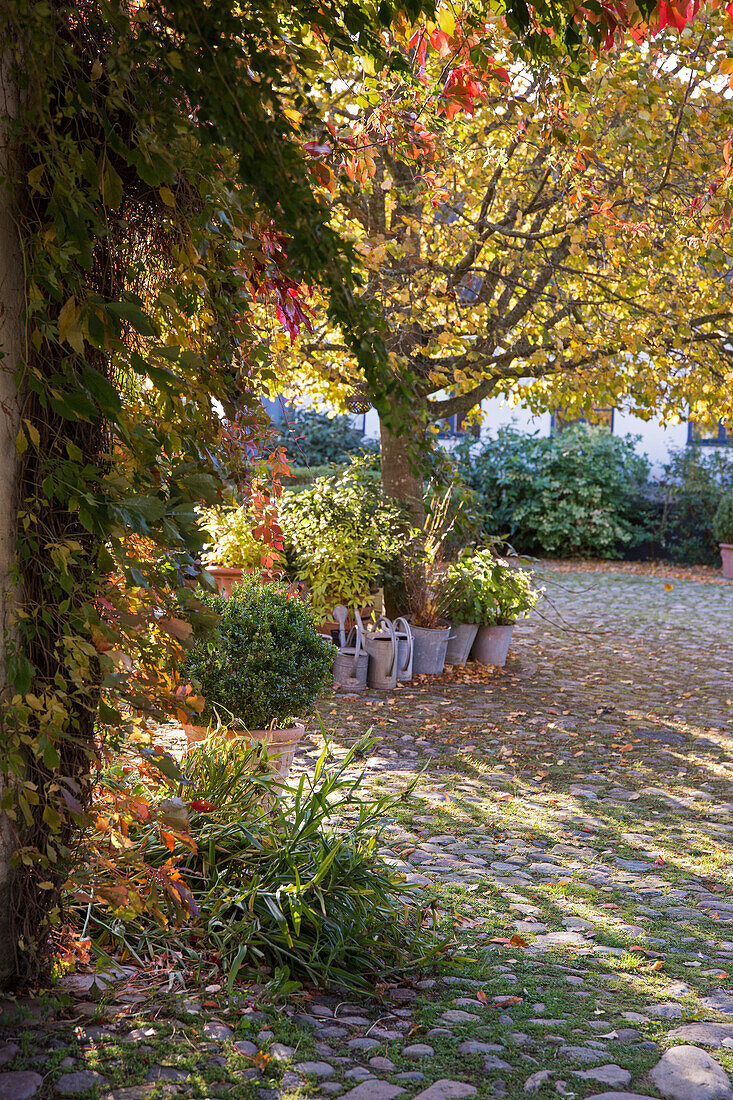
393,638
405,628
356,636
341,614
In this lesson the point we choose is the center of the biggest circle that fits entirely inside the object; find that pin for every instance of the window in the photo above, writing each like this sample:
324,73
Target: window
600,417
705,435
452,426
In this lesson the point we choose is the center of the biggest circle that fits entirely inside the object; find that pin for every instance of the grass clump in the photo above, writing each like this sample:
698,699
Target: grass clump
257,876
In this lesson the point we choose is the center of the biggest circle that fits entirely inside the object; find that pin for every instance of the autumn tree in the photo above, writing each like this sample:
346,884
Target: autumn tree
525,235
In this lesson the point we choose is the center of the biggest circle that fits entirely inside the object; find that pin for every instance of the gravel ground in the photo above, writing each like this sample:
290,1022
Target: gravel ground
572,815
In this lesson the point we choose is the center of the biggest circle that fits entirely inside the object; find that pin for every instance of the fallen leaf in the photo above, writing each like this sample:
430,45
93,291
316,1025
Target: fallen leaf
506,1002
517,941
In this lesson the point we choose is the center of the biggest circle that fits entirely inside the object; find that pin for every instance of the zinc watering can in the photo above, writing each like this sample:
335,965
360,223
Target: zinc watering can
405,647
351,662
381,644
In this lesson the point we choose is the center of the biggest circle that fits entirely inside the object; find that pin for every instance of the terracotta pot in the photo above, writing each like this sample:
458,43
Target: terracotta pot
726,553
492,645
226,577
280,744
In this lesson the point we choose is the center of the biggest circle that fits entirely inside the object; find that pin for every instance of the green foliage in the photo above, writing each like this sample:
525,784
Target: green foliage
694,482
315,439
479,589
464,511
341,533
276,878
569,495
232,542
723,520
160,171
264,664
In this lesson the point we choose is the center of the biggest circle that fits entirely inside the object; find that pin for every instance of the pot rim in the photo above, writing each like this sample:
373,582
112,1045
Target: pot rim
296,731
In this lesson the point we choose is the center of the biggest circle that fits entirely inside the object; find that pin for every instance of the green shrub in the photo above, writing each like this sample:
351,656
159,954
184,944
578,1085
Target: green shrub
723,520
232,543
479,589
570,495
277,878
694,481
315,439
264,663
340,533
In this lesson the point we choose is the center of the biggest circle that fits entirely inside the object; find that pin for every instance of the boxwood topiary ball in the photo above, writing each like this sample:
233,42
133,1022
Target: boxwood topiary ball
263,663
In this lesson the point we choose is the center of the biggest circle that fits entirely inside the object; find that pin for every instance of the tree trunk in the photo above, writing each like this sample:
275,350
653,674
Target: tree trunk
402,480
12,293
401,474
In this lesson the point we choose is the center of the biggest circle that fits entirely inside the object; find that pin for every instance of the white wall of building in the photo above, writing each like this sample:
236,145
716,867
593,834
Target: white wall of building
656,440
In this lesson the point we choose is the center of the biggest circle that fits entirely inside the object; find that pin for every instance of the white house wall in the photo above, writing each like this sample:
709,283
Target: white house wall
656,440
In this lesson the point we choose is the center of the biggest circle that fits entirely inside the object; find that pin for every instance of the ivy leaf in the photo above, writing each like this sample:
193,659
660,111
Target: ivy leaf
164,762
134,316
150,508
112,190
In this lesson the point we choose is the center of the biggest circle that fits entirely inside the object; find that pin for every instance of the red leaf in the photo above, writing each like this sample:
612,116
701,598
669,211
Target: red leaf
317,150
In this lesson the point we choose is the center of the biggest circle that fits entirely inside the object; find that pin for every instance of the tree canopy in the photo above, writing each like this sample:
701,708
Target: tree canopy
559,243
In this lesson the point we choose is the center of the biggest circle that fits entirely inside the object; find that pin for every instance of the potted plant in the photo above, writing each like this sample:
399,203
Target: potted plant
505,594
723,532
464,605
340,533
234,548
425,591
260,669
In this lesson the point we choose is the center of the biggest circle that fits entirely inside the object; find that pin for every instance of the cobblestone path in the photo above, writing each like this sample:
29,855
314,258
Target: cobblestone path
573,813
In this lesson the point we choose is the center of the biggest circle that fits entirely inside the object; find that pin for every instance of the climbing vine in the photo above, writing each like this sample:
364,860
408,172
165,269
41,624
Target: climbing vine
159,188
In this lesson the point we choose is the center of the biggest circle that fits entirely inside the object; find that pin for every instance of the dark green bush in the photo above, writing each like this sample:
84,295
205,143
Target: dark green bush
694,481
723,520
314,439
569,495
264,662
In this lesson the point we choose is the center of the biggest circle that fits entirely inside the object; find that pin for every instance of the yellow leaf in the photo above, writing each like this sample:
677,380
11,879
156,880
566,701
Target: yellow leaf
35,176
447,21
167,196
32,432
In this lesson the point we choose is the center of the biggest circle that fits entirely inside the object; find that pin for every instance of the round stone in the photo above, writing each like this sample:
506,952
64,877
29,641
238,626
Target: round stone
80,1081
688,1073
19,1086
